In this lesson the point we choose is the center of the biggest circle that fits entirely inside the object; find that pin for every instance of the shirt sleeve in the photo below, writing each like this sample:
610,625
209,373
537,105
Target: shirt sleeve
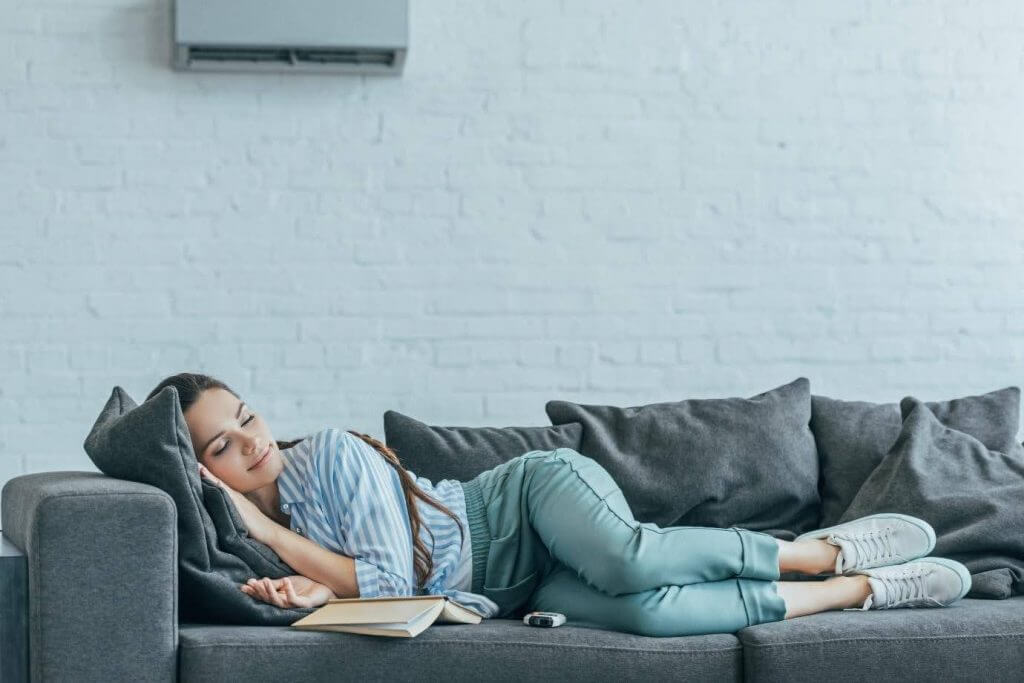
482,604
370,511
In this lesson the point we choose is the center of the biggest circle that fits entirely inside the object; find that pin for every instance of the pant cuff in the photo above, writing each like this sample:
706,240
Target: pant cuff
762,601
760,555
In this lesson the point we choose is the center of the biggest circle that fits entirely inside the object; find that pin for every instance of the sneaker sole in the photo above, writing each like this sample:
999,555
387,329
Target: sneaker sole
958,567
916,521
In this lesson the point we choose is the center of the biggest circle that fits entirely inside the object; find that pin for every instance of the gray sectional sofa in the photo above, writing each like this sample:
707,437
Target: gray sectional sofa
102,571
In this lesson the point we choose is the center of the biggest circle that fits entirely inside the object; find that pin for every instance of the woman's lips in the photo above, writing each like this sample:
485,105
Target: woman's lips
264,459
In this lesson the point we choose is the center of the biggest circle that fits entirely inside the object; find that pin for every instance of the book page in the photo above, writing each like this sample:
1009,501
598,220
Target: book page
370,611
455,613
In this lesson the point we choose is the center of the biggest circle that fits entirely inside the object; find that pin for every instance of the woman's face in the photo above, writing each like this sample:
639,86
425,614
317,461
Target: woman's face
229,439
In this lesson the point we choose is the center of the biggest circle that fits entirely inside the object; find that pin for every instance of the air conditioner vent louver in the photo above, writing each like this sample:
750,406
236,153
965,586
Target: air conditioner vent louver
386,57
326,36
286,56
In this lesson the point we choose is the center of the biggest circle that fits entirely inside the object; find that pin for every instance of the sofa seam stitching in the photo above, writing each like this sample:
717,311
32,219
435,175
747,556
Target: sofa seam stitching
802,643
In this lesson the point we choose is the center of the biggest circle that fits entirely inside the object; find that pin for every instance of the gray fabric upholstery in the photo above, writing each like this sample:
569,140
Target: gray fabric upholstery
747,462
853,437
463,452
971,640
150,444
972,496
494,650
102,576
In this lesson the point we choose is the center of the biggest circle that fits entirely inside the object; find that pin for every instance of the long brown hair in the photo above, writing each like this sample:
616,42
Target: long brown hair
191,385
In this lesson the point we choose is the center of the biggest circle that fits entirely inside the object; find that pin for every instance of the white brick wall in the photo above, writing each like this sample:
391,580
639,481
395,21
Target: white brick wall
582,199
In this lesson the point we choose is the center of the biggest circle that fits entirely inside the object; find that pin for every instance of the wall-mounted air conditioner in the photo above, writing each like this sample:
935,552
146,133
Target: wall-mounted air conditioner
334,36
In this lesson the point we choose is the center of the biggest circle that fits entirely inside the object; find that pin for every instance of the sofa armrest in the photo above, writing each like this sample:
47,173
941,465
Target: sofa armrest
102,575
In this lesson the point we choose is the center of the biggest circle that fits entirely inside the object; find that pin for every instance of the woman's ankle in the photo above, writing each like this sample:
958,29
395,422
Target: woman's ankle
815,556
854,590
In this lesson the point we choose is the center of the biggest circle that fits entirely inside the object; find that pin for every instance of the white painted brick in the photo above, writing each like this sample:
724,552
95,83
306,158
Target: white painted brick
538,353
623,378
43,358
214,305
109,304
578,355
496,352
597,201
20,330
496,327
453,354
304,355
12,358
658,353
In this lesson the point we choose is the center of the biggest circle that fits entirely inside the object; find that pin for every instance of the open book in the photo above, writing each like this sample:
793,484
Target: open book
402,616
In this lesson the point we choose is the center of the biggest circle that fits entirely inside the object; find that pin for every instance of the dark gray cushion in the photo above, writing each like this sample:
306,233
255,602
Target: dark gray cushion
972,496
971,640
495,650
854,436
463,452
747,462
150,443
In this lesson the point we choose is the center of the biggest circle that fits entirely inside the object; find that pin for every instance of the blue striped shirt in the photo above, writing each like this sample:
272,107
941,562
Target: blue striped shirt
343,495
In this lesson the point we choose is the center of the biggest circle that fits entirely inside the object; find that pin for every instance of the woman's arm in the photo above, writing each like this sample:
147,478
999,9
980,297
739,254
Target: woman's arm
336,571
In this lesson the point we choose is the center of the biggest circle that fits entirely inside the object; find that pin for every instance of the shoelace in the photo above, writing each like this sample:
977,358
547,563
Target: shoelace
906,587
872,546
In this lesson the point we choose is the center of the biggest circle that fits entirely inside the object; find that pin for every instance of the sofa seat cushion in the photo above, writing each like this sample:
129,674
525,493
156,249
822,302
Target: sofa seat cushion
493,650
971,640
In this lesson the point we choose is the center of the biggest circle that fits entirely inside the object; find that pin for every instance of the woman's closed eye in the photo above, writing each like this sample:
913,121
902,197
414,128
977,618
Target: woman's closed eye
247,421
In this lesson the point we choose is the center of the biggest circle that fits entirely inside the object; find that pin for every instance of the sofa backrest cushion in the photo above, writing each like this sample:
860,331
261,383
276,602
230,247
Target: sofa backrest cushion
722,462
462,453
150,443
854,436
973,497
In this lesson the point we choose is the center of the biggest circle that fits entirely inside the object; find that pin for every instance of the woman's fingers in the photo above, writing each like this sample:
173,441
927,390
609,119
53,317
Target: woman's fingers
289,589
261,590
205,474
278,592
275,597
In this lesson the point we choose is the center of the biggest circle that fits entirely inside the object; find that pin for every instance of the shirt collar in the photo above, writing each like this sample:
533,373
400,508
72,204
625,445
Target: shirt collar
289,482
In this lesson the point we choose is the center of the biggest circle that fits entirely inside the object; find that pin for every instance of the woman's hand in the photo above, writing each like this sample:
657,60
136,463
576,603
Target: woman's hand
289,591
260,527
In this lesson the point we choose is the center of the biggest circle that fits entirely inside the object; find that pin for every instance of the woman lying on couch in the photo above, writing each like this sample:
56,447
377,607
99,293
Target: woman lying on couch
547,530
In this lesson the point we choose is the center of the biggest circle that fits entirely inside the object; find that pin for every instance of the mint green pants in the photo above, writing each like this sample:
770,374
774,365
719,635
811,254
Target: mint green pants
551,530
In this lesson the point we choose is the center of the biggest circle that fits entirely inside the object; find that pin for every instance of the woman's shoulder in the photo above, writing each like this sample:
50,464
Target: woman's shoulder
333,446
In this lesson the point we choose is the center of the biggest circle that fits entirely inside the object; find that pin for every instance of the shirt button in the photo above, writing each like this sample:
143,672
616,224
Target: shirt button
298,530
285,507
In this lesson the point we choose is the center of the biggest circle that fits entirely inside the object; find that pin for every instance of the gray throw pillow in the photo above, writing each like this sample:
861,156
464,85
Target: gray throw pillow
150,443
463,452
720,462
972,496
854,436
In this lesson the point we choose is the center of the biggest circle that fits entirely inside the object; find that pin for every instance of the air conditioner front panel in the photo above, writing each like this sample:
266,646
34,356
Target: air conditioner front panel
293,23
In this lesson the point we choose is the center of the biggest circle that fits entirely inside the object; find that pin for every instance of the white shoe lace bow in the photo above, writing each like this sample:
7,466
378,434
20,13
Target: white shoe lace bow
907,587
871,547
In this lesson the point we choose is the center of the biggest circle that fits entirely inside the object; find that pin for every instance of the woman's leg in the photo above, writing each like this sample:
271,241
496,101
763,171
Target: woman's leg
813,556
582,517
810,597
695,609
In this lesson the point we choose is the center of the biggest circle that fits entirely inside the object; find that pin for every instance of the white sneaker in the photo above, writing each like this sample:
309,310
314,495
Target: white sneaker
876,540
926,582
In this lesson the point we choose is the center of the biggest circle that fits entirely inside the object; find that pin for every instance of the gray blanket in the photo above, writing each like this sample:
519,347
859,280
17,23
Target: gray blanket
972,496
